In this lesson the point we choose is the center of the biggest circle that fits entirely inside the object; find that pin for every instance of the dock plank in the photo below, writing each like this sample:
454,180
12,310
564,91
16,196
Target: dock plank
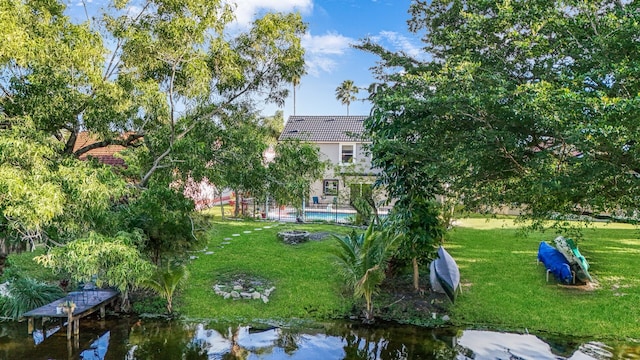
87,302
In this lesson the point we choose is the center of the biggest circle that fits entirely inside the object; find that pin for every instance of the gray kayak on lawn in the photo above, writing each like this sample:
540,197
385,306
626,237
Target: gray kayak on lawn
447,273
433,279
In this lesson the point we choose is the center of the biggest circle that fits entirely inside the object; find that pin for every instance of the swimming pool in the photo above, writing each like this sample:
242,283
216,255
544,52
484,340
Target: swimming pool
341,217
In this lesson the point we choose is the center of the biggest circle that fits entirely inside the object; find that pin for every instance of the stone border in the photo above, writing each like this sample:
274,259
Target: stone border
293,237
242,289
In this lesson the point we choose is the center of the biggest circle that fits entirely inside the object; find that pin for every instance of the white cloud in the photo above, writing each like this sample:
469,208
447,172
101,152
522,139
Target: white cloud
331,43
322,50
247,10
399,42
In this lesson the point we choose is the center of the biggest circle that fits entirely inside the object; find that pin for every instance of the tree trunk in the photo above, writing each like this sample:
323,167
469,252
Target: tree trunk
125,304
237,204
368,313
221,206
416,275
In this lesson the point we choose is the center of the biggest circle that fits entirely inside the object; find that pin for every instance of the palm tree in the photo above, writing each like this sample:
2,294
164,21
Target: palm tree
363,260
346,93
165,282
296,82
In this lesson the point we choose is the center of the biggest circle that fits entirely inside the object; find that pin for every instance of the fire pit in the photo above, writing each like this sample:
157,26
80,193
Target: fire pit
293,236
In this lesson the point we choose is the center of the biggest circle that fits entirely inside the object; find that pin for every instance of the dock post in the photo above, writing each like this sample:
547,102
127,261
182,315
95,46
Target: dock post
69,325
30,326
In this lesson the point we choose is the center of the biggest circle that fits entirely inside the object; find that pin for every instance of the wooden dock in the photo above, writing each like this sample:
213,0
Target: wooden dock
87,302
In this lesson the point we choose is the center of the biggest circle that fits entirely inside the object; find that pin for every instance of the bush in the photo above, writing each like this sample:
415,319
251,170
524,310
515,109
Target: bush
145,302
27,294
163,214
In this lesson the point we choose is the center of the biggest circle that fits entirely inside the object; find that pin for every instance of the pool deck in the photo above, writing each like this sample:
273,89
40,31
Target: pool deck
87,302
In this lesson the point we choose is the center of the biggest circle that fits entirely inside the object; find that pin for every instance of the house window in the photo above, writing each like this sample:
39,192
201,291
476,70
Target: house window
347,153
330,187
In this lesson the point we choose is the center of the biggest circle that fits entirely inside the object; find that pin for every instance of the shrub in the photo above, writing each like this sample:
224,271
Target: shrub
27,294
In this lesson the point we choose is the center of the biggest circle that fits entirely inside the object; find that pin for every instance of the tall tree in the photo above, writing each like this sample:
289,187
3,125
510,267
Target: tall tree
346,93
169,68
46,196
295,82
273,126
528,104
241,155
163,74
295,167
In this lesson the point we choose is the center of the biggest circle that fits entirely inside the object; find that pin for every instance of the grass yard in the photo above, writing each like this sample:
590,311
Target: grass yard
505,288
306,281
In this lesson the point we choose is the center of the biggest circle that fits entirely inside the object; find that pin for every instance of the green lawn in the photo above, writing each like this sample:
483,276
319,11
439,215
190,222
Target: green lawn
307,285
505,288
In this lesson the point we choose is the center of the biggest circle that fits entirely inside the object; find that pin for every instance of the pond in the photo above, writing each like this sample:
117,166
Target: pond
132,339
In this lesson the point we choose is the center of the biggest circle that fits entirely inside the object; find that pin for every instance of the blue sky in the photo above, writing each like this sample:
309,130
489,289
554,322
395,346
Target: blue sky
333,26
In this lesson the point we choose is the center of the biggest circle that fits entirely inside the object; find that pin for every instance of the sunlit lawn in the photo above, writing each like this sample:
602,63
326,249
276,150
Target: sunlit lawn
504,287
305,277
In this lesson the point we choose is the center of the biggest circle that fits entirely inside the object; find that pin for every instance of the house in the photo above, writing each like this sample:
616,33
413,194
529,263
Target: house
341,142
105,155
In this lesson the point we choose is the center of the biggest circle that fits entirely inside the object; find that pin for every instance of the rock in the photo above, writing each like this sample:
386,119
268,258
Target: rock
245,295
235,294
209,253
446,318
293,236
226,295
4,289
193,257
264,299
269,291
255,295
237,287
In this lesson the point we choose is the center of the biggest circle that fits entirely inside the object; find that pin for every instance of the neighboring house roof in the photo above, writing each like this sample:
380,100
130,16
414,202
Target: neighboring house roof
324,128
104,154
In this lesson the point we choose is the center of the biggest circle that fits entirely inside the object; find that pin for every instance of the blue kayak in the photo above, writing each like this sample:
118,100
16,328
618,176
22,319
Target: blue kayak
555,262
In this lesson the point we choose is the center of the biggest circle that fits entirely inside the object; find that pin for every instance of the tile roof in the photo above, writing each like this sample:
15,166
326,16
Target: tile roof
104,154
324,128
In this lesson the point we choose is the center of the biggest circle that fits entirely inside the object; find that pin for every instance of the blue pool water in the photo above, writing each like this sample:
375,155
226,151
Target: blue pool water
329,216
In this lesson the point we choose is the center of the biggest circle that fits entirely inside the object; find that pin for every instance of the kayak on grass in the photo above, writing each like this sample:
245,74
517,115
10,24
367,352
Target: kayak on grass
433,279
578,263
555,262
446,273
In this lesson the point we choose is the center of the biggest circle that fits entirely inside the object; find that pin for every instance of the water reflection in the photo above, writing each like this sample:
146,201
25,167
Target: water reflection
98,349
133,339
496,345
